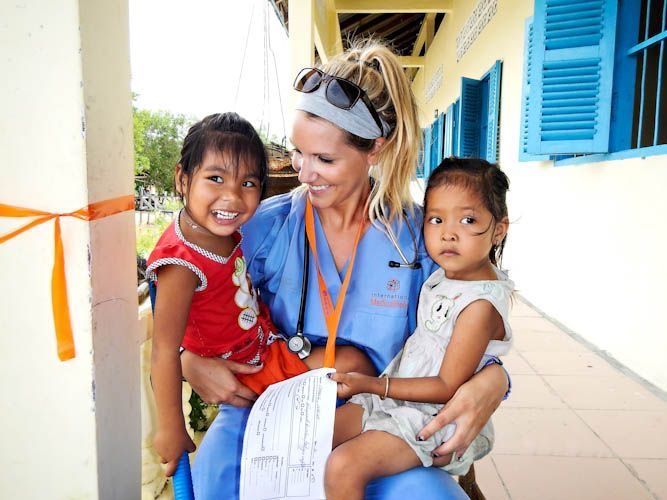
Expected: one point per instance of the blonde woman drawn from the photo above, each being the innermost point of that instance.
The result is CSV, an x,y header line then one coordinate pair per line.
x,y
356,139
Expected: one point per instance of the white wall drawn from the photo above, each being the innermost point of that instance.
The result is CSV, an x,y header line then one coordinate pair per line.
x,y
587,241
68,429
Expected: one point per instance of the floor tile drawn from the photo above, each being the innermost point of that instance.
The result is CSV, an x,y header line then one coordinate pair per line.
x,y
553,342
568,363
545,432
488,479
531,391
516,365
521,309
616,392
537,324
651,472
631,434
571,478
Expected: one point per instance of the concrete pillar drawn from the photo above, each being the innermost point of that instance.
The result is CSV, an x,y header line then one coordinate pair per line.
x,y
69,429
301,39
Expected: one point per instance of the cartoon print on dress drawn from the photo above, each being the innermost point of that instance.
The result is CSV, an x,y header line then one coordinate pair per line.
x,y
440,312
245,295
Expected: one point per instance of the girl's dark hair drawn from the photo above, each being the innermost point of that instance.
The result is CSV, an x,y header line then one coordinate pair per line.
x,y
230,135
484,178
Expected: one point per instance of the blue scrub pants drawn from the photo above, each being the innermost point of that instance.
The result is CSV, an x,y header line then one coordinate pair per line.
x,y
216,471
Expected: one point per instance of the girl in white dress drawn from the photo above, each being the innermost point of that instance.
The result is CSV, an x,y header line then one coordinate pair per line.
x,y
462,326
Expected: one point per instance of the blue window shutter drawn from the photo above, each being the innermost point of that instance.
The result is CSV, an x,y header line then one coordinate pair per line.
x,y
427,152
437,139
420,159
441,136
570,97
448,148
493,114
469,118
525,102
456,149
434,144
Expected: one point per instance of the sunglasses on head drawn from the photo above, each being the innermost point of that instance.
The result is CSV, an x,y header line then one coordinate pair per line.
x,y
340,92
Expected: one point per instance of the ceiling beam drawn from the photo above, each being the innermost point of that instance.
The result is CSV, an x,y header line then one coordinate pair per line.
x,y
393,6
426,34
396,24
327,30
406,36
358,21
411,61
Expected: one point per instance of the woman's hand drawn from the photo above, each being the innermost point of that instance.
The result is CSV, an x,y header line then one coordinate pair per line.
x,y
470,408
353,383
215,381
170,444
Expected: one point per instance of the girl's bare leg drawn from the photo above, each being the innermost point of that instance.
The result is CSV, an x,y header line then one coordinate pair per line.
x,y
358,461
348,423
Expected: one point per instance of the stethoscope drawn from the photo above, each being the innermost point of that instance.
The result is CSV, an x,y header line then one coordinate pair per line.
x,y
413,264
298,343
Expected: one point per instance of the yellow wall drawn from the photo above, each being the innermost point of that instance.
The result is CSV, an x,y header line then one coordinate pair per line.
x,y
587,241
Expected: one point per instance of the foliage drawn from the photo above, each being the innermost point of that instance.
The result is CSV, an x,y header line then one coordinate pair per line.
x,y
202,414
158,136
148,234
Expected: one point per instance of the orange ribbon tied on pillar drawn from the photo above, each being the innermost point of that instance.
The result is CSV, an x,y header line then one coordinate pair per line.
x,y
94,211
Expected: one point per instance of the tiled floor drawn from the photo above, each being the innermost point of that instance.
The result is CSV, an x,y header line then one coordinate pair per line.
x,y
575,427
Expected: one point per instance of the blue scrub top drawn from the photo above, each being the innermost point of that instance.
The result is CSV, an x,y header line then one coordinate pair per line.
x,y
381,304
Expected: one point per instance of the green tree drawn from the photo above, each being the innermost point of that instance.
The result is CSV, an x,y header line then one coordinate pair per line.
x,y
158,136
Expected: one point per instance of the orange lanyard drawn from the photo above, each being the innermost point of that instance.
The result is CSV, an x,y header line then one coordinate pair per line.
x,y
59,302
331,313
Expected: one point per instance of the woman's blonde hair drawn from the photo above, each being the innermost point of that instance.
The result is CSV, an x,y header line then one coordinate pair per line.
x,y
376,69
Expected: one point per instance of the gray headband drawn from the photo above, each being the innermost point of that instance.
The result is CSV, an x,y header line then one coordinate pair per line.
x,y
357,120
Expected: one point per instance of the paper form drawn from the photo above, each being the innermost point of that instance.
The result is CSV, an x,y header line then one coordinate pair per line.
x,y
288,439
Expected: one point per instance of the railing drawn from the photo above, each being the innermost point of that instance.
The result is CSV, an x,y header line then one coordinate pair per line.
x,y
147,203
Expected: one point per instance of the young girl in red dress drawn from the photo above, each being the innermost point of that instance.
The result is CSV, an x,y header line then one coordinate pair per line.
x,y
205,301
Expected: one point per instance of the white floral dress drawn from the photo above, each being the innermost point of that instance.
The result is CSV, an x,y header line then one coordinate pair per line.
x,y
440,302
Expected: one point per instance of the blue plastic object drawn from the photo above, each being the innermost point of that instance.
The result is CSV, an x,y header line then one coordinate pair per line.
x,y
182,480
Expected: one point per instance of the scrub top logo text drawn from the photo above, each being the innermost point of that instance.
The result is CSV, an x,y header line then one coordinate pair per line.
x,y
390,298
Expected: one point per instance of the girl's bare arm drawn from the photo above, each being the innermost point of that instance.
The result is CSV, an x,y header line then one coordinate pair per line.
x,y
476,325
176,289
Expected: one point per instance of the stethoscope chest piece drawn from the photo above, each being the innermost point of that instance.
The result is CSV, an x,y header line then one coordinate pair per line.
x,y
299,345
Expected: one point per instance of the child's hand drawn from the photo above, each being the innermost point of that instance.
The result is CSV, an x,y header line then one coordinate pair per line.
x,y
170,445
353,383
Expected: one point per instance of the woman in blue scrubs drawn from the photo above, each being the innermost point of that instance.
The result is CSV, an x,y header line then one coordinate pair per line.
x,y
356,138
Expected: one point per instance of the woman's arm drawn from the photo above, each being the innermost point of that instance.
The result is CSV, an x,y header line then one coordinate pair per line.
x,y
215,381
470,408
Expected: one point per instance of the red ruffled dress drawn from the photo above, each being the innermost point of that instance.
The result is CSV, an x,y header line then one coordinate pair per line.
x,y
226,317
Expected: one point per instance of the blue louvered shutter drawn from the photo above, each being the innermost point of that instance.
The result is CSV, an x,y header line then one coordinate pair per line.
x,y
420,159
435,144
525,102
441,132
570,96
469,118
427,152
493,115
437,139
456,150
448,147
